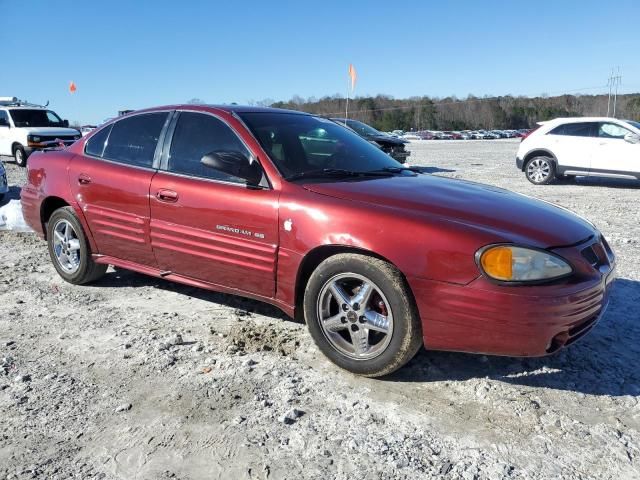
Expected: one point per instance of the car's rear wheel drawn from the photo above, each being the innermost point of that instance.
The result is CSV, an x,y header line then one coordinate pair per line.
x,y
20,156
540,170
361,314
69,249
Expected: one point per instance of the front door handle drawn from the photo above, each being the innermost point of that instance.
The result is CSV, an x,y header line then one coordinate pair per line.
x,y
84,179
165,195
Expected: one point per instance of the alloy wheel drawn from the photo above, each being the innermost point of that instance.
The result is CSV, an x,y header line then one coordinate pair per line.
x,y
539,170
355,316
66,246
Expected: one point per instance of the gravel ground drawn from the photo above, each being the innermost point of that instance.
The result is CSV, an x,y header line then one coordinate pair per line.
x,y
138,378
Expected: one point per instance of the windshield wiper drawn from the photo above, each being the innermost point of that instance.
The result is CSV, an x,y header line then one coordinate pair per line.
x,y
398,170
337,173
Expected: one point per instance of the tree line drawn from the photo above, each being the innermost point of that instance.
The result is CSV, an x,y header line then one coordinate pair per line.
x,y
425,113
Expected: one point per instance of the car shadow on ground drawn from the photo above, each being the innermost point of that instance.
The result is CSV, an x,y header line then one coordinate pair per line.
x,y
125,278
605,362
599,182
12,194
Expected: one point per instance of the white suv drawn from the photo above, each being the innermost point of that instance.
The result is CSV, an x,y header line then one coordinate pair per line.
x,y
25,127
569,147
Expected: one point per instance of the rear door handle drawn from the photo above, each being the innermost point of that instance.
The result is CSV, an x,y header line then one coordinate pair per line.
x,y
167,195
84,179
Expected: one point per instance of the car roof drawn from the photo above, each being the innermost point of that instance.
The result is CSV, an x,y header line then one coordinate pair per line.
x,y
580,120
24,107
224,108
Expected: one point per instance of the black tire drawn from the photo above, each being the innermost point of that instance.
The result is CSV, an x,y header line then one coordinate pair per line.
x,y
540,170
20,156
406,333
87,270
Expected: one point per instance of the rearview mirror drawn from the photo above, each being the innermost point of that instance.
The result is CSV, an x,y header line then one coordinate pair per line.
x,y
632,138
234,163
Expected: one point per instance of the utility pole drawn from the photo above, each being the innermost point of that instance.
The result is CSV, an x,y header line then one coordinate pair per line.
x,y
618,80
609,84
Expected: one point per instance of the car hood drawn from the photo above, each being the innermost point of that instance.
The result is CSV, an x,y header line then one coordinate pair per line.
x,y
51,131
507,215
386,139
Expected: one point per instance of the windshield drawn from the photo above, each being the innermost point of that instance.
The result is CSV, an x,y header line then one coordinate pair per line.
x,y
303,143
361,128
635,124
35,118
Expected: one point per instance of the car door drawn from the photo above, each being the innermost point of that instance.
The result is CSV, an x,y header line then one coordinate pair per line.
x,y
111,183
614,155
573,145
207,225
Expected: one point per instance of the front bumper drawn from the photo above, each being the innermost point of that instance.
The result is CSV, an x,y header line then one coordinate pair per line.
x,y
4,183
478,318
519,163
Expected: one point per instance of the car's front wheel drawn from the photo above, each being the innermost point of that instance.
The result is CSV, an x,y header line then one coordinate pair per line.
x,y
540,170
20,156
361,314
69,249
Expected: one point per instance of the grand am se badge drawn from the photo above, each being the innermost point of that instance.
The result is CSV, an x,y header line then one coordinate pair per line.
x,y
239,231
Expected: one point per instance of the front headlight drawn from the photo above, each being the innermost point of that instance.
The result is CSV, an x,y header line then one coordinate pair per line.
x,y
509,263
33,138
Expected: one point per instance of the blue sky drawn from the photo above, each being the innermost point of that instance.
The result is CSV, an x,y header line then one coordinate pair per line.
x,y
134,54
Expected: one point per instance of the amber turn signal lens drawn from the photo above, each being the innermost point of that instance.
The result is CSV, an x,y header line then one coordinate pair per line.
x,y
497,262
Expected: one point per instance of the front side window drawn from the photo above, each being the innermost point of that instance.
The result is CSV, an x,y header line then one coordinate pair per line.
x,y
575,130
4,118
133,140
611,130
299,144
23,117
196,135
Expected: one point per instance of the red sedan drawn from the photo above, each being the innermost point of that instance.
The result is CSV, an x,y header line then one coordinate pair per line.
x,y
294,210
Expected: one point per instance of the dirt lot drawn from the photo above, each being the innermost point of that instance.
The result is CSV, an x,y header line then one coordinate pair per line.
x,y
137,378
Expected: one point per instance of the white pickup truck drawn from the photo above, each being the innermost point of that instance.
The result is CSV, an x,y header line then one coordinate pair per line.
x,y
25,127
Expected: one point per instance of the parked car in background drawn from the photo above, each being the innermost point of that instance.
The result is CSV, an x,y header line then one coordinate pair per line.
x,y
297,211
86,129
26,127
569,147
454,135
395,147
426,135
4,182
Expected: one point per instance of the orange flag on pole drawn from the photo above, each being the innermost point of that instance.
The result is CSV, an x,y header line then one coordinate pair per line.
x,y
353,75
72,87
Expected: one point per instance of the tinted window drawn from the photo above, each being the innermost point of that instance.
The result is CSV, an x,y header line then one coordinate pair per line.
x,y
95,145
35,118
300,143
4,117
575,130
197,134
611,130
133,140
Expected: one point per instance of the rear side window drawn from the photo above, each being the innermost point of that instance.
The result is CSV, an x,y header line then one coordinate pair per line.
x,y
197,134
133,140
611,130
585,129
95,145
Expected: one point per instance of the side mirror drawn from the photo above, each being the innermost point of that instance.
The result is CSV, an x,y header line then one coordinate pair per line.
x,y
65,123
632,138
235,164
